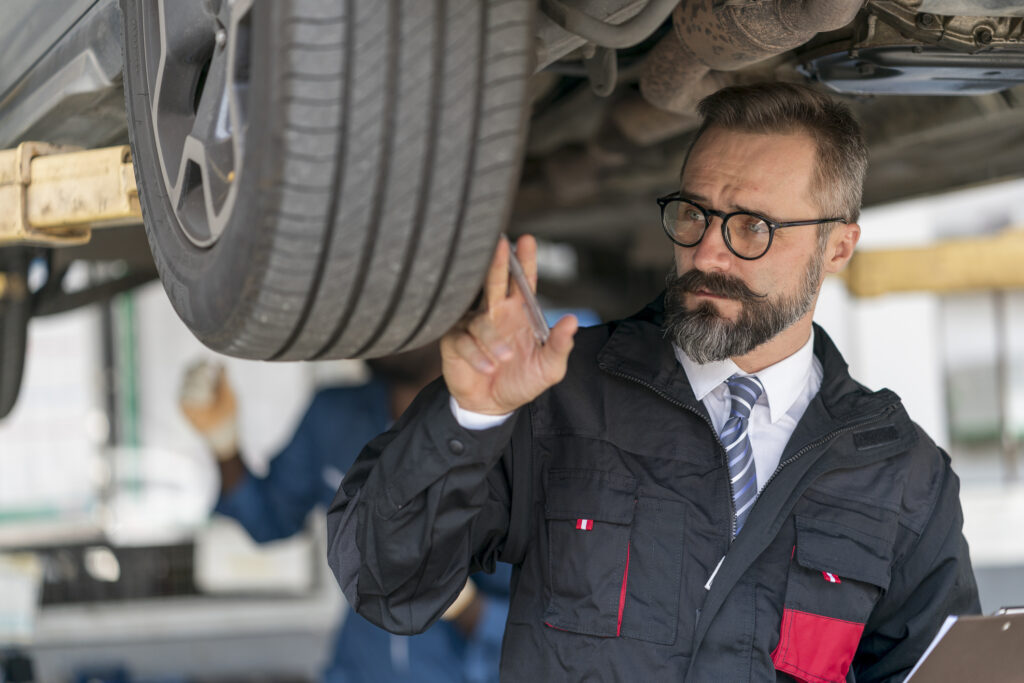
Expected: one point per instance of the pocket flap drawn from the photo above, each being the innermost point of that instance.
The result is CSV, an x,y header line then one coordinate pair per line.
x,y
590,494
842,551
816,649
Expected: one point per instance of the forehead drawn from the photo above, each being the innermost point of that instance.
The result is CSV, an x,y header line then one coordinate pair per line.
x,y
770,171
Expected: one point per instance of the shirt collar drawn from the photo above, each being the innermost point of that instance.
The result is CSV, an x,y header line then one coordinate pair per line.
x,y
783,382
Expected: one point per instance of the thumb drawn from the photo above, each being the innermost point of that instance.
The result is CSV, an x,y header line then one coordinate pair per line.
x,y
555,354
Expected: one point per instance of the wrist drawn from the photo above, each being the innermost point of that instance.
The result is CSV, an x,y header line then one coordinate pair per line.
x,y
465,600
470,419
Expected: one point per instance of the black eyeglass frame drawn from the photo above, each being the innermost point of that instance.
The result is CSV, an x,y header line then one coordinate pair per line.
x,y
663,202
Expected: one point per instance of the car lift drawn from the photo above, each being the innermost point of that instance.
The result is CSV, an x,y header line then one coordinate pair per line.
x,y
53,196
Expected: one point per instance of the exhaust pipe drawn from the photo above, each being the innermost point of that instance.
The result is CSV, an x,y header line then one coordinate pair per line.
x,y
706,43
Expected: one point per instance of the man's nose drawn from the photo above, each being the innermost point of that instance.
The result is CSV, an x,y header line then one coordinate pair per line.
x,y
712,254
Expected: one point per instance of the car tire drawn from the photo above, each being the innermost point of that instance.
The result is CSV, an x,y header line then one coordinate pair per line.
x,y
325,178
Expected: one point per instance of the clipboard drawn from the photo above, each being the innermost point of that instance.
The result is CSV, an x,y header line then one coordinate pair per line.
x,y
975,648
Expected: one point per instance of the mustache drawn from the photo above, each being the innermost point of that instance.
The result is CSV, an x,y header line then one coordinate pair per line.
x,y
694,281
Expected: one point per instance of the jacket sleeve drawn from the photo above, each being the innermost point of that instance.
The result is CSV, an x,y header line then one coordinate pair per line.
x,y
276,506
424,506
931,581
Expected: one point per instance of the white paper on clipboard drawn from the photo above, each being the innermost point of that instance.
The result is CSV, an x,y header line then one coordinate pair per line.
x,y
946,625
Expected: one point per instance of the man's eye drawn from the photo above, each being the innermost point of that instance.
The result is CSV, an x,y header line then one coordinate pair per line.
x,y
693,216
754,225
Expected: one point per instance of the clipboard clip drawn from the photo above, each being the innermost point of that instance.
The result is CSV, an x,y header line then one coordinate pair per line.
x,y
1009,610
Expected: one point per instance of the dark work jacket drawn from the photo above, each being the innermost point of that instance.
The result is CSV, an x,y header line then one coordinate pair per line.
x,y
610,495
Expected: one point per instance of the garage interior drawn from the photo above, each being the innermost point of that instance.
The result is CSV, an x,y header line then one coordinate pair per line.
x,y
111,565
97,456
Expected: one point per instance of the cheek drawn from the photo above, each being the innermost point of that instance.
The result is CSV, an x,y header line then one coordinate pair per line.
x,y
768,281
683,259
777,282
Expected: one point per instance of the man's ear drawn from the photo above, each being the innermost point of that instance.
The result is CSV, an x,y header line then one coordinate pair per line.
x,y
840,246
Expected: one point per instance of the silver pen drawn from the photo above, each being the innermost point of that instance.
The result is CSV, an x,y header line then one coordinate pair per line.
x,y
537,321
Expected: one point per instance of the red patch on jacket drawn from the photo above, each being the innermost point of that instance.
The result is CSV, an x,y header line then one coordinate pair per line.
x,y
814,648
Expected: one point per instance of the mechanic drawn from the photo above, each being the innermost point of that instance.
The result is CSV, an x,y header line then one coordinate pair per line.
x,y
700,492
466,644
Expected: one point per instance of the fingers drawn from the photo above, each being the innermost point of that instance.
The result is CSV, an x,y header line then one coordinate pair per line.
x,y
480,343
495,341
492,360
206,398
198,387
487,347
498,332
496,286
463,346
225,394
484,379
526,252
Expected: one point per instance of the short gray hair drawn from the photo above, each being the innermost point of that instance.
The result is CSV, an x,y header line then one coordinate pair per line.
x,y
787,108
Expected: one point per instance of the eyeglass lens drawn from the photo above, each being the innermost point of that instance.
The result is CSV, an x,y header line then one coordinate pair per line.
x,y
748,235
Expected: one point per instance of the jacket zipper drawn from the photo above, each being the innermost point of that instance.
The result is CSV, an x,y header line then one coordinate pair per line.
x,y
793,458
707,421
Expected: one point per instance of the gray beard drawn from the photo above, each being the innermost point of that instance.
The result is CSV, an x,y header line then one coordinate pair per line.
x,y
707,337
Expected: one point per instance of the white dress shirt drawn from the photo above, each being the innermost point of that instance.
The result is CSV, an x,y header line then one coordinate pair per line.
x,y
789,386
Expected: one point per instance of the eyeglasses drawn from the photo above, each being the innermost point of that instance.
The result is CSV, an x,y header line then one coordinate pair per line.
x,y
747,235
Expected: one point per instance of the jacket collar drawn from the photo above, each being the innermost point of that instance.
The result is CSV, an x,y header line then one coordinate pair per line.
x,y
638,350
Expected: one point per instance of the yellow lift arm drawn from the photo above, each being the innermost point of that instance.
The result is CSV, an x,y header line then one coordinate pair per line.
x,y
54,196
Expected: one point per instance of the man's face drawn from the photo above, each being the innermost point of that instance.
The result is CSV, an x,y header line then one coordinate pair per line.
x,y
718,305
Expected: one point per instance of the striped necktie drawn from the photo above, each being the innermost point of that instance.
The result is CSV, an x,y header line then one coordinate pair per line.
x,y
744,392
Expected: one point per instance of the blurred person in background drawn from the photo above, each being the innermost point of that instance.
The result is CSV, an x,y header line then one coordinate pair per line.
x,y
465,645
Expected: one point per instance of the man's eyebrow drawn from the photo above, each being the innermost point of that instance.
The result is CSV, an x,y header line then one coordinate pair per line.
x,y
698,197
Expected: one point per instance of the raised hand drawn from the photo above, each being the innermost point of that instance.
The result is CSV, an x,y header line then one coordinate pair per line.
x,y
491,361
209,405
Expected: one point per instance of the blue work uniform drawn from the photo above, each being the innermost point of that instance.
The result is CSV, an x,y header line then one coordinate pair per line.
x,y
338,423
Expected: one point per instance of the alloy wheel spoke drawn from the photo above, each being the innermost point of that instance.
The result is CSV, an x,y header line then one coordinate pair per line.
x,y
196,126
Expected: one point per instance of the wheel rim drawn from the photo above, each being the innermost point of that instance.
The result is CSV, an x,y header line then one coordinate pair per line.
x,y
200,81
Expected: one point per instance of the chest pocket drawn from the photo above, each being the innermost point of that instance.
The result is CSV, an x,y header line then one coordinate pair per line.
x,y
836,577
609,573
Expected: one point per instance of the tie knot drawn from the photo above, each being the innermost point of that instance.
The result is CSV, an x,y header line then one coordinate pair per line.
x,y
744,391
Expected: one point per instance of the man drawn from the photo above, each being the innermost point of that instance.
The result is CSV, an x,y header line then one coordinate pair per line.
x,y
466,644
700,492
